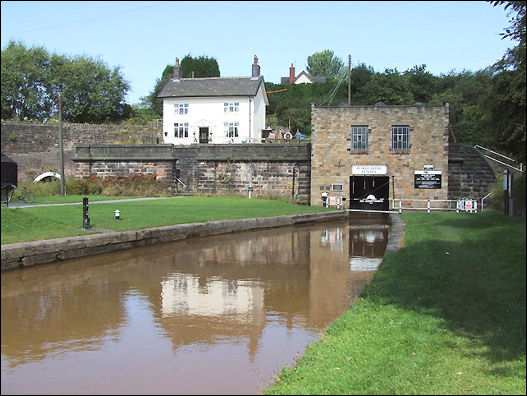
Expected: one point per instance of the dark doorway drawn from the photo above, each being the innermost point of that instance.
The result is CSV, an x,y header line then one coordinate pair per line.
x,y
203,135
369,192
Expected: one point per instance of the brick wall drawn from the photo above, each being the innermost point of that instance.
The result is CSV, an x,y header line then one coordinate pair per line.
x,y
470,174
332,161
208,169
36,149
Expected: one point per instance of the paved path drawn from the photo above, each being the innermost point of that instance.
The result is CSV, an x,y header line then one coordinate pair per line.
x,y
24,205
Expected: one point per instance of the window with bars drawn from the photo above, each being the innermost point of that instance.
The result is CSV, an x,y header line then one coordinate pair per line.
x,y
181,108
231,129
400,137
359,137
231,107
181,129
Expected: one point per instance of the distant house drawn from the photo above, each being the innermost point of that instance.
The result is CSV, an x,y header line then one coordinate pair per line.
x,y
214,109
302,78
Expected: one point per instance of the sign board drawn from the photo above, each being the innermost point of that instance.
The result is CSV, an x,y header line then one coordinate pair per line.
x,y
427,179
332,200
369,169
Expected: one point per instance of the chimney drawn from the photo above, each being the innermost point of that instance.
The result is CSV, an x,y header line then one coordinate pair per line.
x,y
177,71
292,77
256,68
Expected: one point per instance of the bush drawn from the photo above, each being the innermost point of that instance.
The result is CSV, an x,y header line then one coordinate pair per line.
x,y
83,186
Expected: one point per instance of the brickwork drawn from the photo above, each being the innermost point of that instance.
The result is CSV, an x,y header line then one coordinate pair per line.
x,y
332,159
209,169
470,174
36,149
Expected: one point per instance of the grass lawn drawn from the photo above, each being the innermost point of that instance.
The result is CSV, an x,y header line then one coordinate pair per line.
x,y
31,224
443,315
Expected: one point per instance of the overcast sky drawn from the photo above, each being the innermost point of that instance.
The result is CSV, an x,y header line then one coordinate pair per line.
x,y
143,37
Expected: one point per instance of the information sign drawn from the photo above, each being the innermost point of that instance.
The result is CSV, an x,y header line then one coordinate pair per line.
x,y
369,169
427,179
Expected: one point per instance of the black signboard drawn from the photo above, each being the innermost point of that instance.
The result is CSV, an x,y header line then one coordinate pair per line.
x,y
427,179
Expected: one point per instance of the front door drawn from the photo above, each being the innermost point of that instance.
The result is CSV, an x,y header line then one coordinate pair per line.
x,y
203,135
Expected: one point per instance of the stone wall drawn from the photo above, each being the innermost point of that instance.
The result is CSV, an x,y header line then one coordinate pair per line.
x,y
470,174
36,149
264,170
332,159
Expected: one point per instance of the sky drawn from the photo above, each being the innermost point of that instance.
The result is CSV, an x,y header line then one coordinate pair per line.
x,y
143,37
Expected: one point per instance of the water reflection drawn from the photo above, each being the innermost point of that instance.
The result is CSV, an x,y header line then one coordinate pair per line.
x,y
219,314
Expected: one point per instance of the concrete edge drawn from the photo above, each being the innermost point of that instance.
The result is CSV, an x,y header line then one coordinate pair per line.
x,y
396,234
27,254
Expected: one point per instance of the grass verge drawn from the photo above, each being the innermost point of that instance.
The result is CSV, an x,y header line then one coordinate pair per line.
x,y
38,223
443,315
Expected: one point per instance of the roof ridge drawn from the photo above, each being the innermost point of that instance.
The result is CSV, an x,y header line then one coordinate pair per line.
x,y
213,78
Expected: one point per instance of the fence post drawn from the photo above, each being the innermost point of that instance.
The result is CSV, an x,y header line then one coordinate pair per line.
x,y
428,206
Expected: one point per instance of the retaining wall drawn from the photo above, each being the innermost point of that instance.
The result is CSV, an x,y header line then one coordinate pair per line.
x,y
26,254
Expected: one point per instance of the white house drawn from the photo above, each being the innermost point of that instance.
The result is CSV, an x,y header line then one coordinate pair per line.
x,y
302,78
214,109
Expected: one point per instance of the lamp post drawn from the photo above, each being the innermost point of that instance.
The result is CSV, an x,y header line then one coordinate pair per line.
x,y
62,189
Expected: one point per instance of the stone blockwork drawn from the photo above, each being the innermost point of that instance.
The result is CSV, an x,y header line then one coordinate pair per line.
x,y
264,170
26,254
470,174
332,159
36,149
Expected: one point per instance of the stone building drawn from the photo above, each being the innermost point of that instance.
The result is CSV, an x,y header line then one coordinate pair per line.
x,y
364,156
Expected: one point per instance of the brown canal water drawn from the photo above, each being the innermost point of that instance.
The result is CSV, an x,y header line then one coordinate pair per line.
x,y
213,315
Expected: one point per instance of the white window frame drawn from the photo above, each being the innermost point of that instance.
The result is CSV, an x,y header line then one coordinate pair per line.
x,y
181,130
181,108
359,138
231,129
231,107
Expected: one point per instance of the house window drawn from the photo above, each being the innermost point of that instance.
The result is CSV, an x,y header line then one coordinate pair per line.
x,y
359,138
337,187
231,107
181,129
401,137
231,129
181,108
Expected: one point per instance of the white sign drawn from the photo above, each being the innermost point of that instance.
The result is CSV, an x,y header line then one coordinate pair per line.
x,y
369,169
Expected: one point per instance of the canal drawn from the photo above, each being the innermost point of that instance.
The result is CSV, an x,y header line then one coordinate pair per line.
x,y
213,315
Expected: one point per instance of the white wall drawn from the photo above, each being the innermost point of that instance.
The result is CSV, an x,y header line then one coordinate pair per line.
x,y
209,112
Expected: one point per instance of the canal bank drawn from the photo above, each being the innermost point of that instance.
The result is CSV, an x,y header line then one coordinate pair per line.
x,y
27,254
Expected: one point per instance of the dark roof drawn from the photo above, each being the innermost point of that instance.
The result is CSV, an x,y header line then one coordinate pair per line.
x,y
211,86
318,79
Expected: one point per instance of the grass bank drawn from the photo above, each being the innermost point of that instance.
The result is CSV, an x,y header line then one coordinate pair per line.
x,y
443,315
38,223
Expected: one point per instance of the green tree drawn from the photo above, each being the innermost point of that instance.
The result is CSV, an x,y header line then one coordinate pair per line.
x,y
152,101
390,87
507,110
422,83
325,64
202,66
25,78
32,78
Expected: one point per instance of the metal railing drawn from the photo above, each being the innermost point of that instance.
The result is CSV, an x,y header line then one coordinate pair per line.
x,y
520,168
458,205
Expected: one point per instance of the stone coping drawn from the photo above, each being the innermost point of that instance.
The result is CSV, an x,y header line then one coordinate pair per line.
x,y
26,254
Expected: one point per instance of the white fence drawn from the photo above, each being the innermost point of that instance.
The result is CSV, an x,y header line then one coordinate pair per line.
x,y
459,205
